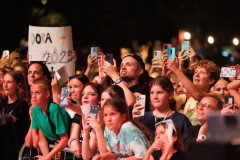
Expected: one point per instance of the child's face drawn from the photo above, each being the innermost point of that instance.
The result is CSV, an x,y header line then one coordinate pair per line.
x,y
38,95
9,85
159,97
113,119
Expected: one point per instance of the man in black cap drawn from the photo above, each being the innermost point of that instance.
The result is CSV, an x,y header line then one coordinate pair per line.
x,y
133,78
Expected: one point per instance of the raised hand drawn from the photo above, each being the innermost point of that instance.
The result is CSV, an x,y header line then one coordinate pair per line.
x,y
165,71
136,110
181,59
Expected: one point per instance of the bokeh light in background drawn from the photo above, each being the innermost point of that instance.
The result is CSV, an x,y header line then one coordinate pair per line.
x,y
187,35
210,39
235,41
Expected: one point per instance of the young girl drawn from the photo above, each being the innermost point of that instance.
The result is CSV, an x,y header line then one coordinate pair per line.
x,y
161,96
163,148
122,137
15,104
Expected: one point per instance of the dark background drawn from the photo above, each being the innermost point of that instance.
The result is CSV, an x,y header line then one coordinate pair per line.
x,y
113,24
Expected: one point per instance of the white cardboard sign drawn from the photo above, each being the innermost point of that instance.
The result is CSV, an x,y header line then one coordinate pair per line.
x,y
53,45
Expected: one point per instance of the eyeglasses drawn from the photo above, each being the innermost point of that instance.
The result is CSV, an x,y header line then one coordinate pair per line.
x,y
204,106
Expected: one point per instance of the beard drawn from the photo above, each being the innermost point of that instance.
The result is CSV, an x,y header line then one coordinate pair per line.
x,y
127,78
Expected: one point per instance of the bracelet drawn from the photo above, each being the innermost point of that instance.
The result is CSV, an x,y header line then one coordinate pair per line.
x,y
72,141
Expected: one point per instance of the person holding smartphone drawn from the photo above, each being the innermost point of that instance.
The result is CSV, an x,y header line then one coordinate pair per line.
x,y
206,74
161,98
163,148
81,137
233,87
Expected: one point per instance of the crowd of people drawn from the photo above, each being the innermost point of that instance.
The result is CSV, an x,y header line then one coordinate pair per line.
x,y
179,95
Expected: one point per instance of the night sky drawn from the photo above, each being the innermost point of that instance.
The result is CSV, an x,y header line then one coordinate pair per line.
x,y
114,24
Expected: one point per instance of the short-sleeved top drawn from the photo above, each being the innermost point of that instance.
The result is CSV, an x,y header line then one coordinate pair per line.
x,y
190,110
143,89
20,110
176,156
59,117
149,120
129,142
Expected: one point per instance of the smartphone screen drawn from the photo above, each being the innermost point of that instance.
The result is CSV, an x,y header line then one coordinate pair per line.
x,y
64,94
171,53
94,51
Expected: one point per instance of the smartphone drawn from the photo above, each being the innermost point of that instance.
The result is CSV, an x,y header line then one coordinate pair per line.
x,y
141,99
228,100
94,51
5,54
86,109
157,55
64,94
166,46
94,110
185,46
169,130
171,53
228,72
109,58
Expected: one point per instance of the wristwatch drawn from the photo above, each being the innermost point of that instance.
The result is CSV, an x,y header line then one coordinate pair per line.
x,y
118,80
201,138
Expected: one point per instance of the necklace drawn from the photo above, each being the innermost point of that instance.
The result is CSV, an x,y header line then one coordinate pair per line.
x,y
155,115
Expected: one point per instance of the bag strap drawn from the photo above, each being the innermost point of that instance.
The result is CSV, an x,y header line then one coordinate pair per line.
x,y
51,123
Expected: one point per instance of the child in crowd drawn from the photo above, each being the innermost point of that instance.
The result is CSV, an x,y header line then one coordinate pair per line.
x,y
163,148
161,97
15,104
123,138
53,129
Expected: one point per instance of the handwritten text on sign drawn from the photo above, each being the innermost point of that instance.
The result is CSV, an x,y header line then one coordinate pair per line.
x,y
52,45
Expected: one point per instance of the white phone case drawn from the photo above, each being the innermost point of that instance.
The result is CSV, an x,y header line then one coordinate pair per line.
x,y
141,99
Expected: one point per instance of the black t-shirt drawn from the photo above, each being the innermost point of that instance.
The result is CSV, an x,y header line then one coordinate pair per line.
x,y
20,110
143,89
176,156
193,134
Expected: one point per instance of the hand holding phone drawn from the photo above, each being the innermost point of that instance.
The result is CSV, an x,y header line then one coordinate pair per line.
x,y
109,58
185,46
5,54
94,52
141,99
228,100
94,110
157,55
171,53
64,94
